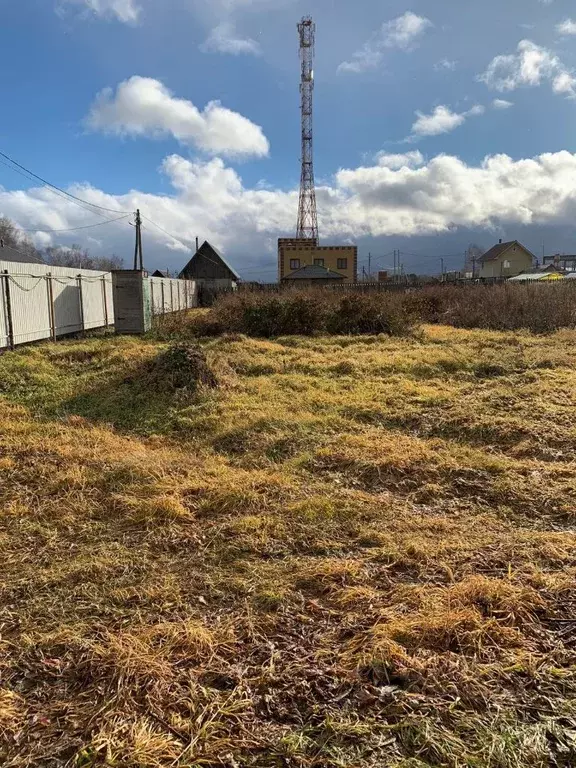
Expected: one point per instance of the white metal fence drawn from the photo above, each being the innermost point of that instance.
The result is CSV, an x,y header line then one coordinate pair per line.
x,y
38,301
169,295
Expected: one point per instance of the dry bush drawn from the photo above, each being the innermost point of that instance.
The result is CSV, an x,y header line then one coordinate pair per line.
x,y
538,307
311,312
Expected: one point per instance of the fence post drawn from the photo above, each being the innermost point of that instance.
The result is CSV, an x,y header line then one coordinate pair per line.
x,y
8,310
171,297
162,292
81,302
152,295
50,291
104,301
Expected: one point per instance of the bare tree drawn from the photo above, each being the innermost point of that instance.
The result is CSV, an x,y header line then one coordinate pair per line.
x,y
77,257
9,232
13,237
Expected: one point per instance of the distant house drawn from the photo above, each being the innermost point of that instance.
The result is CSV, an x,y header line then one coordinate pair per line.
x,y
208,264
506,260
160,273
313,274
11,254
561,260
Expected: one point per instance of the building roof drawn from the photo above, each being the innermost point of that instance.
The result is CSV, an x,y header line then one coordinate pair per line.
x,y
160,273
215,253
11,254
314,272
559,257
497,250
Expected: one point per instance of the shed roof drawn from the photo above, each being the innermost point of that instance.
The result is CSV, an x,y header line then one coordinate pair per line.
x,y
11,254
207,247
314,272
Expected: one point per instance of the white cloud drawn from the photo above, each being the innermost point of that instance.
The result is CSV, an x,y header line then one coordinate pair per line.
x,y
224,39
127,11
209,200
403,32
442,120
445,65
567,27
528,67
396,161
502,104
142,106
565,82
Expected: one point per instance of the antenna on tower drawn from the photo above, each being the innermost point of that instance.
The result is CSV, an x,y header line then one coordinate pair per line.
x,y
307,227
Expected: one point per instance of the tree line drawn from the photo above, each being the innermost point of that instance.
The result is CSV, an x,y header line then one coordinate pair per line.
x,y
74,256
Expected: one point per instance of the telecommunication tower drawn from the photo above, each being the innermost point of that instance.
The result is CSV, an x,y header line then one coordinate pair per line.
x,y
307,227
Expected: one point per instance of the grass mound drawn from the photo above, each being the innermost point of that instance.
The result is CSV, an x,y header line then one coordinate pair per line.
x,y
180,367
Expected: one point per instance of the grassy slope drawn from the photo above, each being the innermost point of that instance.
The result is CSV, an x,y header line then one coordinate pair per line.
x,y
353,553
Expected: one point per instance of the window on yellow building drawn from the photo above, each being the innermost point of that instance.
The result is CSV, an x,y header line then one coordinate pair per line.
x,y
294,263
342,263
319,262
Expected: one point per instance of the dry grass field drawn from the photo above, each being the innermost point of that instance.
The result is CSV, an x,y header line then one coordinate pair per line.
x,y
354,551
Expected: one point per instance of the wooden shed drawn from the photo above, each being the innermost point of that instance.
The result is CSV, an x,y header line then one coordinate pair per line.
x,y
208,264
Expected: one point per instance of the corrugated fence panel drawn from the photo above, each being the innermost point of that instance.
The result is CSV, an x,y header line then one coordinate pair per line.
x,y
30,308
67,305
4,340
96,301
156,295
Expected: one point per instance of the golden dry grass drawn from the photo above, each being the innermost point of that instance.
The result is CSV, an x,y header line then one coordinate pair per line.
x,y
355,552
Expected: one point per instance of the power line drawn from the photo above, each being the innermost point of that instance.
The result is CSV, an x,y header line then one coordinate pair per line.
x,y
431,255
75,229
54,191
178,240
58,189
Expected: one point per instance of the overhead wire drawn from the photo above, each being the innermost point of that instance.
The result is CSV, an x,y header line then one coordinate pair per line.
x,y
75,229
58,189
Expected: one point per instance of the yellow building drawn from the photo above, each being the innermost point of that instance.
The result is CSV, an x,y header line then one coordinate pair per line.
x,y
332,262
506,260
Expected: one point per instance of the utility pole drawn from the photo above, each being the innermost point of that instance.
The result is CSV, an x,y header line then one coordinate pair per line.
x,y
442,269
474,266
369,266
138,257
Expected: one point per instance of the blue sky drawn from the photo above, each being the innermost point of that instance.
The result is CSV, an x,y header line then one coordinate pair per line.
x,y
436,124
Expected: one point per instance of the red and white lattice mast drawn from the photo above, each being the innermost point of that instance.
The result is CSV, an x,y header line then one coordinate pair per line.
x,y
307,228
